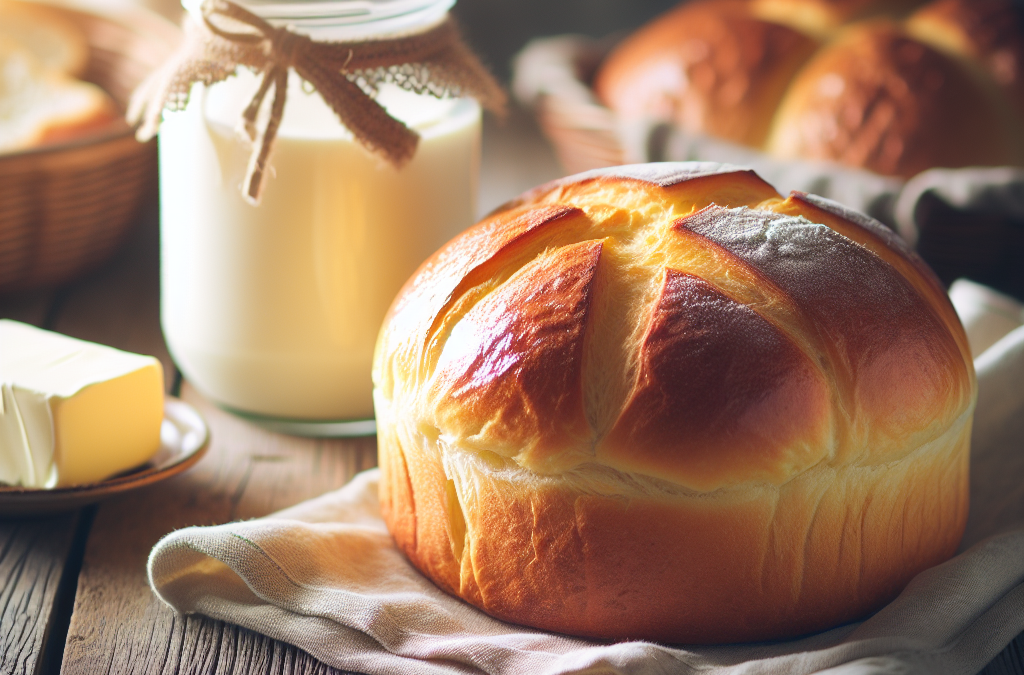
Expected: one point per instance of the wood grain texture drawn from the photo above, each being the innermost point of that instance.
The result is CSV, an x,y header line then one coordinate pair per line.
x,y
34,552
33,555
117,305
202,645
119,626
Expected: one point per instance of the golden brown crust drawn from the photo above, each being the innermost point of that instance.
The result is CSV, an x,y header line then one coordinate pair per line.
x,y
628,412
826,548
707,363
708,66
435,290
888,246
888,354
878,99
515,360
988,32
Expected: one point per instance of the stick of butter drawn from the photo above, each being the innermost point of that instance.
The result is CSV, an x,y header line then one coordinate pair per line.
x,y
73,412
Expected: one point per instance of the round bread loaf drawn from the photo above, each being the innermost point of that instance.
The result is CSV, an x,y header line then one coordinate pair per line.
x,y
712,67
849,81
662,402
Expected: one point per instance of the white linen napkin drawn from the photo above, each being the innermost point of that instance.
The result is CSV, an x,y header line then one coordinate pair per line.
x,y
326,577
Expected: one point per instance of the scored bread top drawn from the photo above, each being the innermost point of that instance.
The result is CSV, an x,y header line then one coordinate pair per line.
x,y
677,321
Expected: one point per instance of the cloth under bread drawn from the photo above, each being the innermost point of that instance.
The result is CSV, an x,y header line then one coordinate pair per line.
x,y
326,577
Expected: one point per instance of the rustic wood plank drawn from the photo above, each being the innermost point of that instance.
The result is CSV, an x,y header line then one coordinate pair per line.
x,y
36,558
119,626
33,556
217,647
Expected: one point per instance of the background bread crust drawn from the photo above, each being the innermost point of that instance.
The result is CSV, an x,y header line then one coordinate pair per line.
x,y
895,88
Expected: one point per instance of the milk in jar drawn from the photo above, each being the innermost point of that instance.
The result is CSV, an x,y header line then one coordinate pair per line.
x,y
274,309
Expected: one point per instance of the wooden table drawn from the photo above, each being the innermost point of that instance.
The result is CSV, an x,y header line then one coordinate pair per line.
x,y
74,597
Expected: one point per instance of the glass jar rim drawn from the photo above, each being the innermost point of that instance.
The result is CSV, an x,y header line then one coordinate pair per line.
x,y
343,19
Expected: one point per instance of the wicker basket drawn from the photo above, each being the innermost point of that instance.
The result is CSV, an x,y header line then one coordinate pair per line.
x,y
552,76
64,209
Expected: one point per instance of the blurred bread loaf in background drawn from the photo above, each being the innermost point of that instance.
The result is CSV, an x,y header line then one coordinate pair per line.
x,y
46,33
41,100
895,88
72,175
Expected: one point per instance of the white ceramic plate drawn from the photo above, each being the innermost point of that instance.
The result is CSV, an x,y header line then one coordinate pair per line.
x,y
183,441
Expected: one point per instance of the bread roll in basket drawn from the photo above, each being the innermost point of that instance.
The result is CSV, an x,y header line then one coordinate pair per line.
x,y
892,87
662,402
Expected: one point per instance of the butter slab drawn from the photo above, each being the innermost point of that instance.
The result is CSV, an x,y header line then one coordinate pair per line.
x,y
73,412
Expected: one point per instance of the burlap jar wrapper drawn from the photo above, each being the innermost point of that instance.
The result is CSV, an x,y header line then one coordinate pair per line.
x,y
347,75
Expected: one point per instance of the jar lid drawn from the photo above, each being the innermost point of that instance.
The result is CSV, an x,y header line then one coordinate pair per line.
x,y
343,19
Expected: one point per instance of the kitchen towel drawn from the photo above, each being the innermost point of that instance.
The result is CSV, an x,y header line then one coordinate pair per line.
x,y
326,577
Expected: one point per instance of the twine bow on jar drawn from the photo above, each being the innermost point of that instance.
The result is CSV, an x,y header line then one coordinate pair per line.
x,y
346,74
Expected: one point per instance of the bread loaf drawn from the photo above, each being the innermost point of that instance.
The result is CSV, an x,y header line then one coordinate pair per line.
x,y
662,402
42,53
47,34
39,106
854,81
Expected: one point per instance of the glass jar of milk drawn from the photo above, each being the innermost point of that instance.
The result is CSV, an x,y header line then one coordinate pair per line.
x,y
273,310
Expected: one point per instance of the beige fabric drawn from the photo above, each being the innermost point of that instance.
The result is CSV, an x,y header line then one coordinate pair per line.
x,y
325,576
986,314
